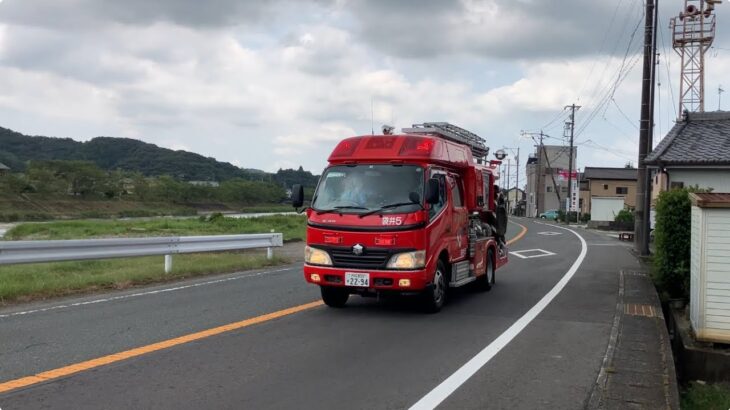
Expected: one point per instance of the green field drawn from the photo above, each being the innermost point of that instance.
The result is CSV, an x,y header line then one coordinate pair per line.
x,y
34,281
292,226
37,281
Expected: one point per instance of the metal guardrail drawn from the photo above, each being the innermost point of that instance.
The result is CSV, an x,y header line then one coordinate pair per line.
x,y
14,252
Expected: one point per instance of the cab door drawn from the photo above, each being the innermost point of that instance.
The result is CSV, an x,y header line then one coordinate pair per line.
x,y
458,235
439,216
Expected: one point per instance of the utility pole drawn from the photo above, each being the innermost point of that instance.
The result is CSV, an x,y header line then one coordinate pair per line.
x,y
509,205
573,108
641,243
518,197
719,97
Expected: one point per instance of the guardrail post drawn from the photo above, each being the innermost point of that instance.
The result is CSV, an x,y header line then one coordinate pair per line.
x,y
168,263
269,253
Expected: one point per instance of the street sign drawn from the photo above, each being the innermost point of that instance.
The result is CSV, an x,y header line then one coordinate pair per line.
x,y
563,174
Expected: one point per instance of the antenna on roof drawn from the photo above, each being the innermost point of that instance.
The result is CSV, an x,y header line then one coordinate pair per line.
x,y
372,117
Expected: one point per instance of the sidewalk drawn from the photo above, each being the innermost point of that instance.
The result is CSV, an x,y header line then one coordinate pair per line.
x,y
638,370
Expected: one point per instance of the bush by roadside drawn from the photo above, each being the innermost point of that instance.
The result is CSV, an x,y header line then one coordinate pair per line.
x,y
672,236
702,396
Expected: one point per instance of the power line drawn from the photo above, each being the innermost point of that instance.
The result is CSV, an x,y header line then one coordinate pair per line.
x,y
624,114
669,76
599,83
610,90
603,43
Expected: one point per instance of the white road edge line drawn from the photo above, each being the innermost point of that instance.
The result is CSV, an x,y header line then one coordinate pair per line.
x,y
151,292
453,382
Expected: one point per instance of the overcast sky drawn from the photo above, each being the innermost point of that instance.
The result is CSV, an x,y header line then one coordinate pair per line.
x,y
270,84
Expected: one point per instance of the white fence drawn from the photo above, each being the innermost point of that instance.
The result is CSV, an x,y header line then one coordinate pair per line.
x,y
13,252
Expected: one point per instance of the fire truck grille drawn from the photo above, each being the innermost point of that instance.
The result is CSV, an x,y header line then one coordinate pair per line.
x,y
371,258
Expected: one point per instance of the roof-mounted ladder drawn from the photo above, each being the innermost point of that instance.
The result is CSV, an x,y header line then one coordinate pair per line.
x,y
453,133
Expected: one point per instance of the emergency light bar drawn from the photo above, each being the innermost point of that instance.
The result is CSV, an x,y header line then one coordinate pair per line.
x,y
479,148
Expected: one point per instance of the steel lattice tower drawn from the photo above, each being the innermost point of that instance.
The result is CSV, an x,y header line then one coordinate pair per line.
x,y
692,34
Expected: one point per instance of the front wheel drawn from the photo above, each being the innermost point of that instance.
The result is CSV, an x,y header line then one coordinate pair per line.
x,y
434,296
334,297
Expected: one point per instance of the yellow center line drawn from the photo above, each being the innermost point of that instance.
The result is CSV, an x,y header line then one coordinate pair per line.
x,y
138,351
519,235
166,344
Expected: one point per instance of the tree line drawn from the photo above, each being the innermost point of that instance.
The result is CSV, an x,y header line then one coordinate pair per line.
x,y
84,179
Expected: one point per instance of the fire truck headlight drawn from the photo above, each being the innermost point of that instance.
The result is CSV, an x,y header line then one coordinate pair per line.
x,y
408,260
316,256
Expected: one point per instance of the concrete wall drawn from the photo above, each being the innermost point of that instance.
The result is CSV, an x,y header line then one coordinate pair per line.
x,y
718,179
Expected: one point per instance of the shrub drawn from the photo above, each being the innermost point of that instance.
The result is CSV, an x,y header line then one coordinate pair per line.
x,y
585,217
625,216
672,236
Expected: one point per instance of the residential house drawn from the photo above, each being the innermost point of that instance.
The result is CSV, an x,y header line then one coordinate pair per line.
x,y
4,169
695,152
609,191
516,201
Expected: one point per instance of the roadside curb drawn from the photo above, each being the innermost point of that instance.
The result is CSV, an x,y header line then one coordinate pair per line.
x,y
638,368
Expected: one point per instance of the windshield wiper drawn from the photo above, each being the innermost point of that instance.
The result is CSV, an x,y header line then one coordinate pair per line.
x,y
337,208
389,206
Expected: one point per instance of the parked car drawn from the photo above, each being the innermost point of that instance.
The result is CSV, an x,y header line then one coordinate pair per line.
x,y
551,214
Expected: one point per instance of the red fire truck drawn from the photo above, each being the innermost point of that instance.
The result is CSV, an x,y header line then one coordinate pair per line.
x,y
414,213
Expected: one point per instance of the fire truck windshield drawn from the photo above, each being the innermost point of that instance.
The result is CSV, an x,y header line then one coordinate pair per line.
x,y
364,188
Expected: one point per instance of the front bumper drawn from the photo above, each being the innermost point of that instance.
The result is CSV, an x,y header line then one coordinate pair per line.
x,y
379,279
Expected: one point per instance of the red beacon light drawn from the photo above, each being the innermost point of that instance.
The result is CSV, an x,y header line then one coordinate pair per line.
x,y
417,146
345,148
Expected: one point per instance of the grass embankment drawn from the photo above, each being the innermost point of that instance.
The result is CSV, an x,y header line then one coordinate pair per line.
x,y
35,207
42,280
700,396
292,226
33,281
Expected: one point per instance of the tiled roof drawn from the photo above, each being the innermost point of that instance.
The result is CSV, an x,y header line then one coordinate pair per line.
x,y
700,139
4,167
627,174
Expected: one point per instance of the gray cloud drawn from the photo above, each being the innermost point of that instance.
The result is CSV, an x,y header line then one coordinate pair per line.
x,y
74,14
499,28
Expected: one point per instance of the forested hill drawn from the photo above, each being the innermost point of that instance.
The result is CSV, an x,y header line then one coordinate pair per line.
x,y
118,153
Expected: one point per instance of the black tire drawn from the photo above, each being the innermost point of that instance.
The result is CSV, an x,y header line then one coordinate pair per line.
x,y
543,217
334,297
486,281
434,296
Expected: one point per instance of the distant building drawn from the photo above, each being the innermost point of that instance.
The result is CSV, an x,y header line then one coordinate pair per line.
x,y
546,181
204,183
4,169
516,201
609,191
695,152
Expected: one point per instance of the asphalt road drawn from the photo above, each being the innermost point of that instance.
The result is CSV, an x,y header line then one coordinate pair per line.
x,y
520,348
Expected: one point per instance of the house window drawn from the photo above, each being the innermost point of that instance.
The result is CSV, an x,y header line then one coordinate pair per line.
x,y
548,189
678,185
622,190
564,189
605,187
580,203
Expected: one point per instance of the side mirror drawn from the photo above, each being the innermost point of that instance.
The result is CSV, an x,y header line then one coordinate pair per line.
x,y
432,191
297,196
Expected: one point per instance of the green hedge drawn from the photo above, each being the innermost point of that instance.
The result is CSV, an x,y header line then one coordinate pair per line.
x,y
625,216
672,235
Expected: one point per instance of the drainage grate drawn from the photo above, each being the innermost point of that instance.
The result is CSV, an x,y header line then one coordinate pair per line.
x,y
634,309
